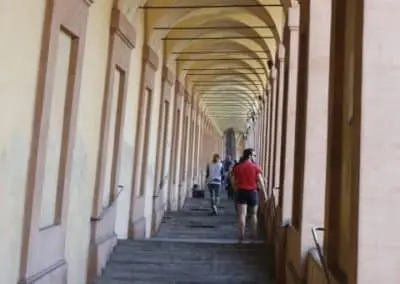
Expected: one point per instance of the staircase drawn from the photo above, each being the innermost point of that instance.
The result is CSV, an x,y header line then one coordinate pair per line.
x,y
192,248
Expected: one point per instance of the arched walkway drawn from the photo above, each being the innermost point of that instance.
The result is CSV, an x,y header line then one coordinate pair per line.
x,y
111,110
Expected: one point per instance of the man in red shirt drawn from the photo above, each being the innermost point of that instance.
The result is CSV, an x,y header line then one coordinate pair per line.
x,y
246,179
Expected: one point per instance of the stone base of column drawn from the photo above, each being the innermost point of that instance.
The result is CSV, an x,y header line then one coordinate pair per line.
x,y
158,213
56,274
182,194
280,246
102,242
173,198
138,219
293,266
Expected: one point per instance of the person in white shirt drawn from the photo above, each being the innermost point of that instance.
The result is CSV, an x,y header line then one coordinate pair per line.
x,y
214,176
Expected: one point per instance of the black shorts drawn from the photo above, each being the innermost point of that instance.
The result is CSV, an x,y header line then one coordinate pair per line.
x,y
247,197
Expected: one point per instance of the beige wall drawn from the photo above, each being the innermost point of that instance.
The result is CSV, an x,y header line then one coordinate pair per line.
x,y
20,34
87,140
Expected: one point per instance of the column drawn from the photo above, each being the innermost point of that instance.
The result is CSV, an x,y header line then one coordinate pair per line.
x,y
197,145
279,122
185,151
266,129
291,94
268,133
378,193
177,139
264,132
311,129
260,148
272,124
192,147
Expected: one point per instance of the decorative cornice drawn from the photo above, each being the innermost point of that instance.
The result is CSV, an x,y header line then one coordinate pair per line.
x,y
123,28
150,56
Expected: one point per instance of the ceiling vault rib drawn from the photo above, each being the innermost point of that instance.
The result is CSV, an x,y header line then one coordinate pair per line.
x,y
222,107
218,38
222,98
209,6
212,69
219,59
225,93
247,91
205,84
223,81
224,74
214,28
208,53
228,115
219,51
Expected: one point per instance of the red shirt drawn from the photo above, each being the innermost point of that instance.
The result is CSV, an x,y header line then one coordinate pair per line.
x,y
245,175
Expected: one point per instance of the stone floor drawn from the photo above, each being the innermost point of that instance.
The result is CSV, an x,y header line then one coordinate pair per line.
x,y
194,248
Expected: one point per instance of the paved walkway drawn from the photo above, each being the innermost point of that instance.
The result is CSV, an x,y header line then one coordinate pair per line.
x,y
194,248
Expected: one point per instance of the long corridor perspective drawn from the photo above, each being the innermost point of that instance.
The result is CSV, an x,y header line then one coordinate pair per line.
x,y
110,111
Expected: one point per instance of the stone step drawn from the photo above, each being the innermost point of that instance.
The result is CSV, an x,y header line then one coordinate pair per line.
x,y
195,243
184,252
166,258
198,269
185,277
182,247
146,256
171,281
191,247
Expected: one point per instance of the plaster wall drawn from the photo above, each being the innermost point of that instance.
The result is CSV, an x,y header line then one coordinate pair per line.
x,y
21,35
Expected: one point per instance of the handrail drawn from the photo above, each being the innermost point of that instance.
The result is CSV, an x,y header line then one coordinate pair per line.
x,y
107,208
319,250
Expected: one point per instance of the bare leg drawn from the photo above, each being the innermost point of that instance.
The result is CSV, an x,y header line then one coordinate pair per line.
x,y
242,210
254,221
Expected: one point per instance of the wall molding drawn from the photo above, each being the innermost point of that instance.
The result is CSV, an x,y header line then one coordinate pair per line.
x,y
43,249
123,28
151,57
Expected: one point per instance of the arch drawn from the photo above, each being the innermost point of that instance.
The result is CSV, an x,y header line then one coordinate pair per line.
x,y
238,38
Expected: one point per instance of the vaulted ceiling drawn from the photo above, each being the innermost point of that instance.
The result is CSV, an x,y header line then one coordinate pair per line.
x,y
221,48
